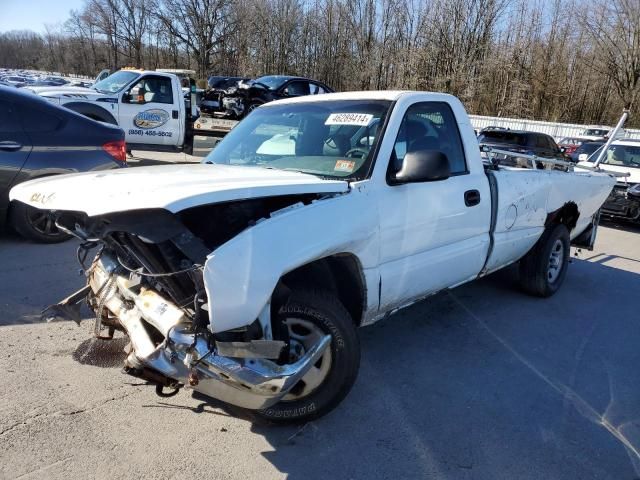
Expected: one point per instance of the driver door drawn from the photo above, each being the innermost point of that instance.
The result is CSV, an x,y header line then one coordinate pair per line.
x,y
149,112
435,234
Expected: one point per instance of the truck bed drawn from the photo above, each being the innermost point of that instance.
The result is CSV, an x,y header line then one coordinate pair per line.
x,y
525,200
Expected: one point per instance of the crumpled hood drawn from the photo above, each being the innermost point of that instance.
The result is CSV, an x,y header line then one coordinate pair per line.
x,y
171,187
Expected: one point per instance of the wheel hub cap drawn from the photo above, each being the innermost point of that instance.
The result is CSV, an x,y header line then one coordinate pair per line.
x,y
304,334
556,260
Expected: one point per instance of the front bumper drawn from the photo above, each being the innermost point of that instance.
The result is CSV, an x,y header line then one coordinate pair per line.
x,y
186,357
621,204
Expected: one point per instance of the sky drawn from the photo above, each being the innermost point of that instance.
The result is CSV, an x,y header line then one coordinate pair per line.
x,y
33,14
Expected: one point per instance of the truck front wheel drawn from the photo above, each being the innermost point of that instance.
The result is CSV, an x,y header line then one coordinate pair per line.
x,y
543,269
304,319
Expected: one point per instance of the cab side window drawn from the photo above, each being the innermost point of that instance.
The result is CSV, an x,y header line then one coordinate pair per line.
x,y
152,90
430,126
297,88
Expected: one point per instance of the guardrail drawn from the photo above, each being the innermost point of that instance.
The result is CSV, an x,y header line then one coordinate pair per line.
x,y
556,130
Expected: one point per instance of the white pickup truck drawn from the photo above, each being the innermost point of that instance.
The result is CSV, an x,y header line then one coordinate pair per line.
x,y
148,105
245,278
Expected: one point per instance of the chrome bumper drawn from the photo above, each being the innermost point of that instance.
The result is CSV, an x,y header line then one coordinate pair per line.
x,y
253,383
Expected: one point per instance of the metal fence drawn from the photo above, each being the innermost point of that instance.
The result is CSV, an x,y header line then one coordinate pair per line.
x,y
556,130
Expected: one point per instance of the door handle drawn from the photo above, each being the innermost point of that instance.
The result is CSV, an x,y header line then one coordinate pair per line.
x,y
471,198
175,114
10,146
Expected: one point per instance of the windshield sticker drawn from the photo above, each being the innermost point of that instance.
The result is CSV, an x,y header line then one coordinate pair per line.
x,y
361,119
344,166
151,118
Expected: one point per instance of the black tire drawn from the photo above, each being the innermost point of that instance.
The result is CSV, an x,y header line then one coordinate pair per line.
x,y
540,275
325,311
35,224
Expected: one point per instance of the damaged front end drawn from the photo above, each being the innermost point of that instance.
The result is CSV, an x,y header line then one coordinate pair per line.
x,y
228,103
623,202
147,281
169,349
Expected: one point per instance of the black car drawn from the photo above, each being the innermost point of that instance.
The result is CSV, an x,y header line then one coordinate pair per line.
x,y
223,83
521,141
236,102
38,139
586,148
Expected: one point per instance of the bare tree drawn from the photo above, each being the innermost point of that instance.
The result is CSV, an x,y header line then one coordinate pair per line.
x,y
198,24
614,27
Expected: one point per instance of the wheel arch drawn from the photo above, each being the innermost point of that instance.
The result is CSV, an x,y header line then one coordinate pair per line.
x,y
566,215
340,273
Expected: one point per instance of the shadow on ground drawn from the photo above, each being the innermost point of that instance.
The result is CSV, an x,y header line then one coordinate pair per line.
x,y
483,382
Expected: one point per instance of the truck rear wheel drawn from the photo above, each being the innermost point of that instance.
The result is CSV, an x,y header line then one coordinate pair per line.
x,y
307,316
543,269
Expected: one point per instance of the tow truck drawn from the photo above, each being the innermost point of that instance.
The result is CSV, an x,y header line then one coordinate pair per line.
x,y
150,106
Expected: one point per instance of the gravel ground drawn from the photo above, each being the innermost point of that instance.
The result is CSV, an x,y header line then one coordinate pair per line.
x,y
482,382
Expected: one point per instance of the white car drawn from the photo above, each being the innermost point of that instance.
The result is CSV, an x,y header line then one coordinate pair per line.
x,y
623,156
245,278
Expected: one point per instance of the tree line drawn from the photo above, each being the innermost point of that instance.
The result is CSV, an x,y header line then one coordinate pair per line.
x,y
556,60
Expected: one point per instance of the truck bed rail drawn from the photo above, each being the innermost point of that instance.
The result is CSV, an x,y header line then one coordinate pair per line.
x,y
494,161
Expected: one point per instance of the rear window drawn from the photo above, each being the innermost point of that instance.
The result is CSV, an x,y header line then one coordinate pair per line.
x,y
502,137
596,132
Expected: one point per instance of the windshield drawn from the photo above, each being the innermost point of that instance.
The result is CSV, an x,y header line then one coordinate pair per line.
x,y
595,132
502,137
330,139
619,156
224,83
272,82
115,82
588,148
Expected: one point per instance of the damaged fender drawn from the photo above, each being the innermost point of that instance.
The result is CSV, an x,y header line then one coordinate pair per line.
x,y
240,275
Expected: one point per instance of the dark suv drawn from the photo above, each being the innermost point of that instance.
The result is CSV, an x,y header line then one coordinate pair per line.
x,y
521,141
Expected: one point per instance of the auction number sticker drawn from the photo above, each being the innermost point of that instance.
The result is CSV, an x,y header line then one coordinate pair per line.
x,y
361,119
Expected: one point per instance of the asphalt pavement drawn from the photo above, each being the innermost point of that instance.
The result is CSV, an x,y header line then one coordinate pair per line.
x,y
482,382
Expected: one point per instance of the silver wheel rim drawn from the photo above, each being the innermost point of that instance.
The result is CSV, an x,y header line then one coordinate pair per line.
x,y
556,259
303,335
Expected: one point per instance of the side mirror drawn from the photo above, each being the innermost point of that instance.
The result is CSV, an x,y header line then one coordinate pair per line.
x,y
423,166
563,149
